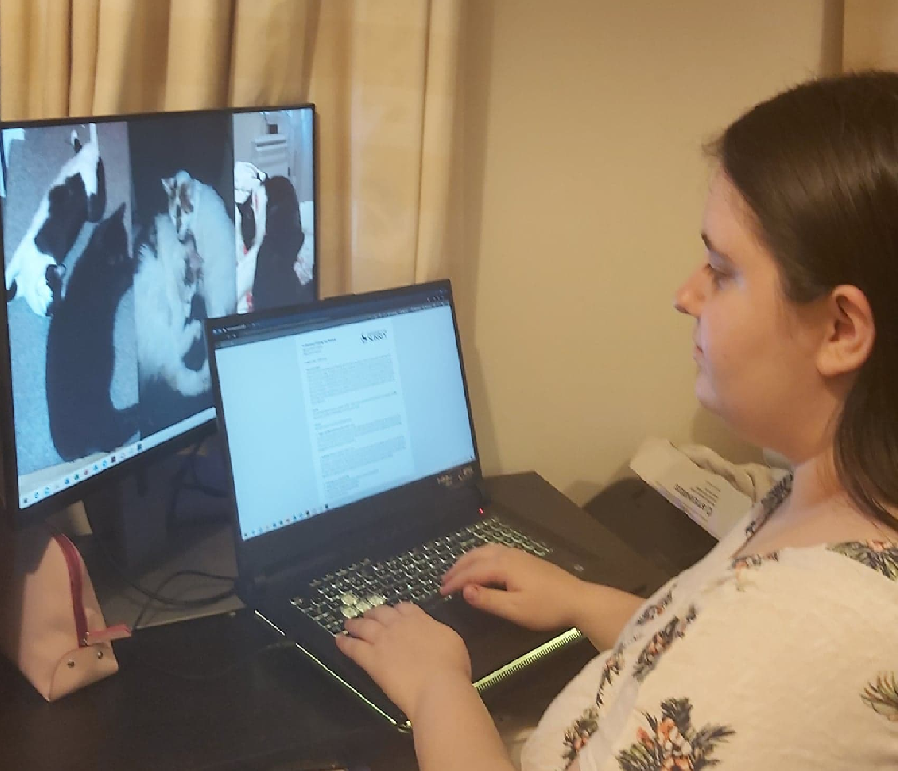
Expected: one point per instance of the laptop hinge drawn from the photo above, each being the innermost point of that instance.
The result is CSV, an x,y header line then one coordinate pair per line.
x,y
482,492
455,508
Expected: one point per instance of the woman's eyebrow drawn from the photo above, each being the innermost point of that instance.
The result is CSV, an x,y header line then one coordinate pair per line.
x,y
713,249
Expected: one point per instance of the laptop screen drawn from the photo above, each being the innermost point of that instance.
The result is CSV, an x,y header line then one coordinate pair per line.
x,y
325,407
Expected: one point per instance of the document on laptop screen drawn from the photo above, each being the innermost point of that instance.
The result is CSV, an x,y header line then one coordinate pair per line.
x,y
318,419
358,428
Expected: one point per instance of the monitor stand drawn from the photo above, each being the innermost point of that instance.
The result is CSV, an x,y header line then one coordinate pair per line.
x,y
168,516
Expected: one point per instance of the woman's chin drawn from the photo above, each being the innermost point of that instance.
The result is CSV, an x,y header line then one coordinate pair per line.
x,y
700,388
705,394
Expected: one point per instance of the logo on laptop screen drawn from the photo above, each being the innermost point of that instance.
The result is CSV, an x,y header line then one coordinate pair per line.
x,y
453,478
374,336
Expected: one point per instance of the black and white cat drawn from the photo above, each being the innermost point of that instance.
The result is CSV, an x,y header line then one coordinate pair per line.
x,y
275,282
251,219
80,350
165,285
196,210
77,196
247,177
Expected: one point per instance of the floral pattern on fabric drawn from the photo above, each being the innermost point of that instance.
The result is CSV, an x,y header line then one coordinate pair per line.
x,y
576,737
672,742
660,642
769,503
612,667
655,609
754,560
882,696
879,555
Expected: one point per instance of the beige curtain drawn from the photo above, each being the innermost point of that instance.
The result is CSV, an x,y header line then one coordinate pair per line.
x,y
382,74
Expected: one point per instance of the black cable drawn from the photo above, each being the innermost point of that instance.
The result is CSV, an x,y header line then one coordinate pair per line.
x,y
214,675
212,492
197,602
215,492
179,482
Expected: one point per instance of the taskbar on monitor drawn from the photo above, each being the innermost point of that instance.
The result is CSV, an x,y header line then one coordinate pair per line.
x,y
40,485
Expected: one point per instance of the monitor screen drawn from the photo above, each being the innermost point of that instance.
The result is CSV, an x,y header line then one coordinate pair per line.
x,y
120,235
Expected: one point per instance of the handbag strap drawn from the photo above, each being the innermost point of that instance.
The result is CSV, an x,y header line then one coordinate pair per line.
x,y
86,636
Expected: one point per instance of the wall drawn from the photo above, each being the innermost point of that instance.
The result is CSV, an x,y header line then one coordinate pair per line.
x,y
871,27
577,203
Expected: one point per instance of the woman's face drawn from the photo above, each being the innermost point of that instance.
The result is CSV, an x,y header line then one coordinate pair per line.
x,y
755,350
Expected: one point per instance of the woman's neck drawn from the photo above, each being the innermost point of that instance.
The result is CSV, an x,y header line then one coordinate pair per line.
x,y
817,511
815,485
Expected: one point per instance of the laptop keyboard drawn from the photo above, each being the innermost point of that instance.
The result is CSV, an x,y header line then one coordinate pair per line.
x,y
414,576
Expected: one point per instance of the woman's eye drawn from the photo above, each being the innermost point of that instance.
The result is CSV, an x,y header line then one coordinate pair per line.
x,y
717,275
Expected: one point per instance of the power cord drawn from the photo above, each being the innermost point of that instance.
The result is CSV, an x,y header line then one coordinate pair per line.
x,y
198,602
180,483
175,602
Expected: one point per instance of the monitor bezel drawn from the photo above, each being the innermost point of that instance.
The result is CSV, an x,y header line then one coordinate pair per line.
x,y
18,516
262,554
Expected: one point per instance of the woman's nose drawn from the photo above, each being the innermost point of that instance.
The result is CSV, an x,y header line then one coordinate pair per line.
x,y
689,297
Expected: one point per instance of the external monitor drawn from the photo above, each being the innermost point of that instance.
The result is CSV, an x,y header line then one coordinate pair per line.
x,y
120,235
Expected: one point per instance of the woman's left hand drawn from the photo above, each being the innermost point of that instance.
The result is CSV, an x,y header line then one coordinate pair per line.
x,y
405,652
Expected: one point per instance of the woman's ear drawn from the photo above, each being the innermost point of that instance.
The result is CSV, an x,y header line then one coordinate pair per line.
x,y
850,332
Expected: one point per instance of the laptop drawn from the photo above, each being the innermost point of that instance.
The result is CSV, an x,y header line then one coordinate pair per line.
x,y
356,479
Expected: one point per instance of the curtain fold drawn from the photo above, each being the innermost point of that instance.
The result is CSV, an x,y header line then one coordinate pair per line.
x,y
382,74
440,90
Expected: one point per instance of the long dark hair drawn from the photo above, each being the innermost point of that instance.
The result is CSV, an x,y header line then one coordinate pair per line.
x,y
818,167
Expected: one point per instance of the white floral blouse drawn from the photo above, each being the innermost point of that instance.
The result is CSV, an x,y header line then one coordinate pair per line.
x,y
784,661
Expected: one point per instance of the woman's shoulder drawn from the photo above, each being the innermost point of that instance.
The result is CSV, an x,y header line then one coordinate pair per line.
x,y
765,636
836,594
879,556
842,567
784,648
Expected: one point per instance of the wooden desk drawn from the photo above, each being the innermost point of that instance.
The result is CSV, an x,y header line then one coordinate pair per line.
x,y
209,694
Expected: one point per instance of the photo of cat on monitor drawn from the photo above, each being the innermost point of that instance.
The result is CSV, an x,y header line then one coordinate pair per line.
x,y
120,236
117,249
183,214
67,234
273,214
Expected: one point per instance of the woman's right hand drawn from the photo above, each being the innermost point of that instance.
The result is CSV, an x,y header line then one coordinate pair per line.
x,y
534,593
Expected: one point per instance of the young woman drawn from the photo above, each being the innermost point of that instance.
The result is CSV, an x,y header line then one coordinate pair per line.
x,y
780,648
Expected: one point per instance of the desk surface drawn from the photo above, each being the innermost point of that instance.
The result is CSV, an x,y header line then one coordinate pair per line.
x,y
214,693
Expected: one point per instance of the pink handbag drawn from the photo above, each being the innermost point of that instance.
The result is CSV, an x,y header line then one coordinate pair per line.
x,y
51,626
